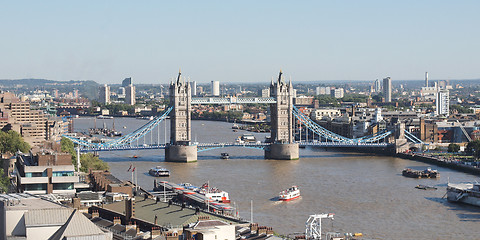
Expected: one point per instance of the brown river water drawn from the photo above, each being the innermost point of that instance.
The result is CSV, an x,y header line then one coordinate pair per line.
x,y
367,193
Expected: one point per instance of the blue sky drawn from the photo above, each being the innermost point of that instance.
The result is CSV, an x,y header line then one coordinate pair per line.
x,y
243,41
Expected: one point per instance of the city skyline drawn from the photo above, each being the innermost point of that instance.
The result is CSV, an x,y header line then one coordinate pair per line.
x,y
239,42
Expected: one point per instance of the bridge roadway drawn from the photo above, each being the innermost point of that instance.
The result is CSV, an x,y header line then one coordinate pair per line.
x,y
233,100
209,146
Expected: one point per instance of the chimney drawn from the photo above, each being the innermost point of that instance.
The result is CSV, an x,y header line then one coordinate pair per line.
x,y
130,226
129,209
116,220
253,227
155,232
95,214
76,203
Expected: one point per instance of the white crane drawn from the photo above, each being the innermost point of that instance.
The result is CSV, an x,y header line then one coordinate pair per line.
x,y
313,228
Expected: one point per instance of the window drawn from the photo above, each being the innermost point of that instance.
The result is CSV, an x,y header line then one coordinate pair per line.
x,y
63,186
62,174
35,187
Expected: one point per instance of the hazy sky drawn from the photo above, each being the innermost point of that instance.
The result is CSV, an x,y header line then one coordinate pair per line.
x,y
248,41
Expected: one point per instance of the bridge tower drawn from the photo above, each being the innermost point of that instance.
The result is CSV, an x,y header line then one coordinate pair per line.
x,y
282,146
179,149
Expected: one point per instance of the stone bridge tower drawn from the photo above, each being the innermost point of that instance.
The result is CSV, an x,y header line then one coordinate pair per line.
x,y
282,146
179,149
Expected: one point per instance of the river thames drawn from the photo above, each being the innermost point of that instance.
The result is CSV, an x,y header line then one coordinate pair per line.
x,y
367,193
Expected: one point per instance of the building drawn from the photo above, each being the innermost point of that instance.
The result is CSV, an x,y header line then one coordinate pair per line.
x,y
104,94
265,92
337,93
126,82
303,100
45,172
194,88
319,114
377,86
24,216
129,91
215,88
443,103
322,90
387,89
121,92
426,79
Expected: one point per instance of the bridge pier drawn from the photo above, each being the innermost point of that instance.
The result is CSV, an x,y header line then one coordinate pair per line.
x,y
282,151
181,153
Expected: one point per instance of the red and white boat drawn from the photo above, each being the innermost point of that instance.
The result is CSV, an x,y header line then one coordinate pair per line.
x,y
289,194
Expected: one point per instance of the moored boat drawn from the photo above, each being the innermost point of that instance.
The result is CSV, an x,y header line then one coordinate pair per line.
x,y
464,192
289,194
427,173
159,172
225,156
212,193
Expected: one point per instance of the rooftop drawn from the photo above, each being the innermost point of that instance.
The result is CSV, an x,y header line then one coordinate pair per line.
x,y
24,201
173,215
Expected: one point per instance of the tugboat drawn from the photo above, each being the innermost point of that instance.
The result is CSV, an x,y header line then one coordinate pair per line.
x,y
427,173
159,172
225,156
425,187
289,194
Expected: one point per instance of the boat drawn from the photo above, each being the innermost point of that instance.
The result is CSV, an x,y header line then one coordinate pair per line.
x,y
425,187
468,193
159,172
289,194
104,117
427,173
225,156
212,193
134,156
248,138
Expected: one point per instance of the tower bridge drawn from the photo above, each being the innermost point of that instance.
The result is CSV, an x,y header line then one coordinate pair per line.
x,y
284,116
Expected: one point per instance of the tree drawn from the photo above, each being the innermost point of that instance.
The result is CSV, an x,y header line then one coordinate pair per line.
x,y
4,182
11,142
67,146
90,161
452,147
473,148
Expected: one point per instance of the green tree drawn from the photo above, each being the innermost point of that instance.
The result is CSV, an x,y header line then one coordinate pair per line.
x,y
4,182
11,142
452,147
67,146
473,148
90,161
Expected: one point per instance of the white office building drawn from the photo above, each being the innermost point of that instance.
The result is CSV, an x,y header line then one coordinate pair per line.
x,y
387,89
215,88
104,95
443,103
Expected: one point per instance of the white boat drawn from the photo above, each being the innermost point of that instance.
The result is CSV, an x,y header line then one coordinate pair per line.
x,y
212,193
464,192
159,172
225,155
248,138
289,194
104,117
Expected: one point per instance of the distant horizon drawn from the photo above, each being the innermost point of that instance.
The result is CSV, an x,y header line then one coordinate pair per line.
x,y
248,83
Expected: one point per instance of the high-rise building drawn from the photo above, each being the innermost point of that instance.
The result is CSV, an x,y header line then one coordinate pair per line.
x,y
377,87
215,88
337,93
443,103
130,94
426,79
104,95
387,89
126,82
194,88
